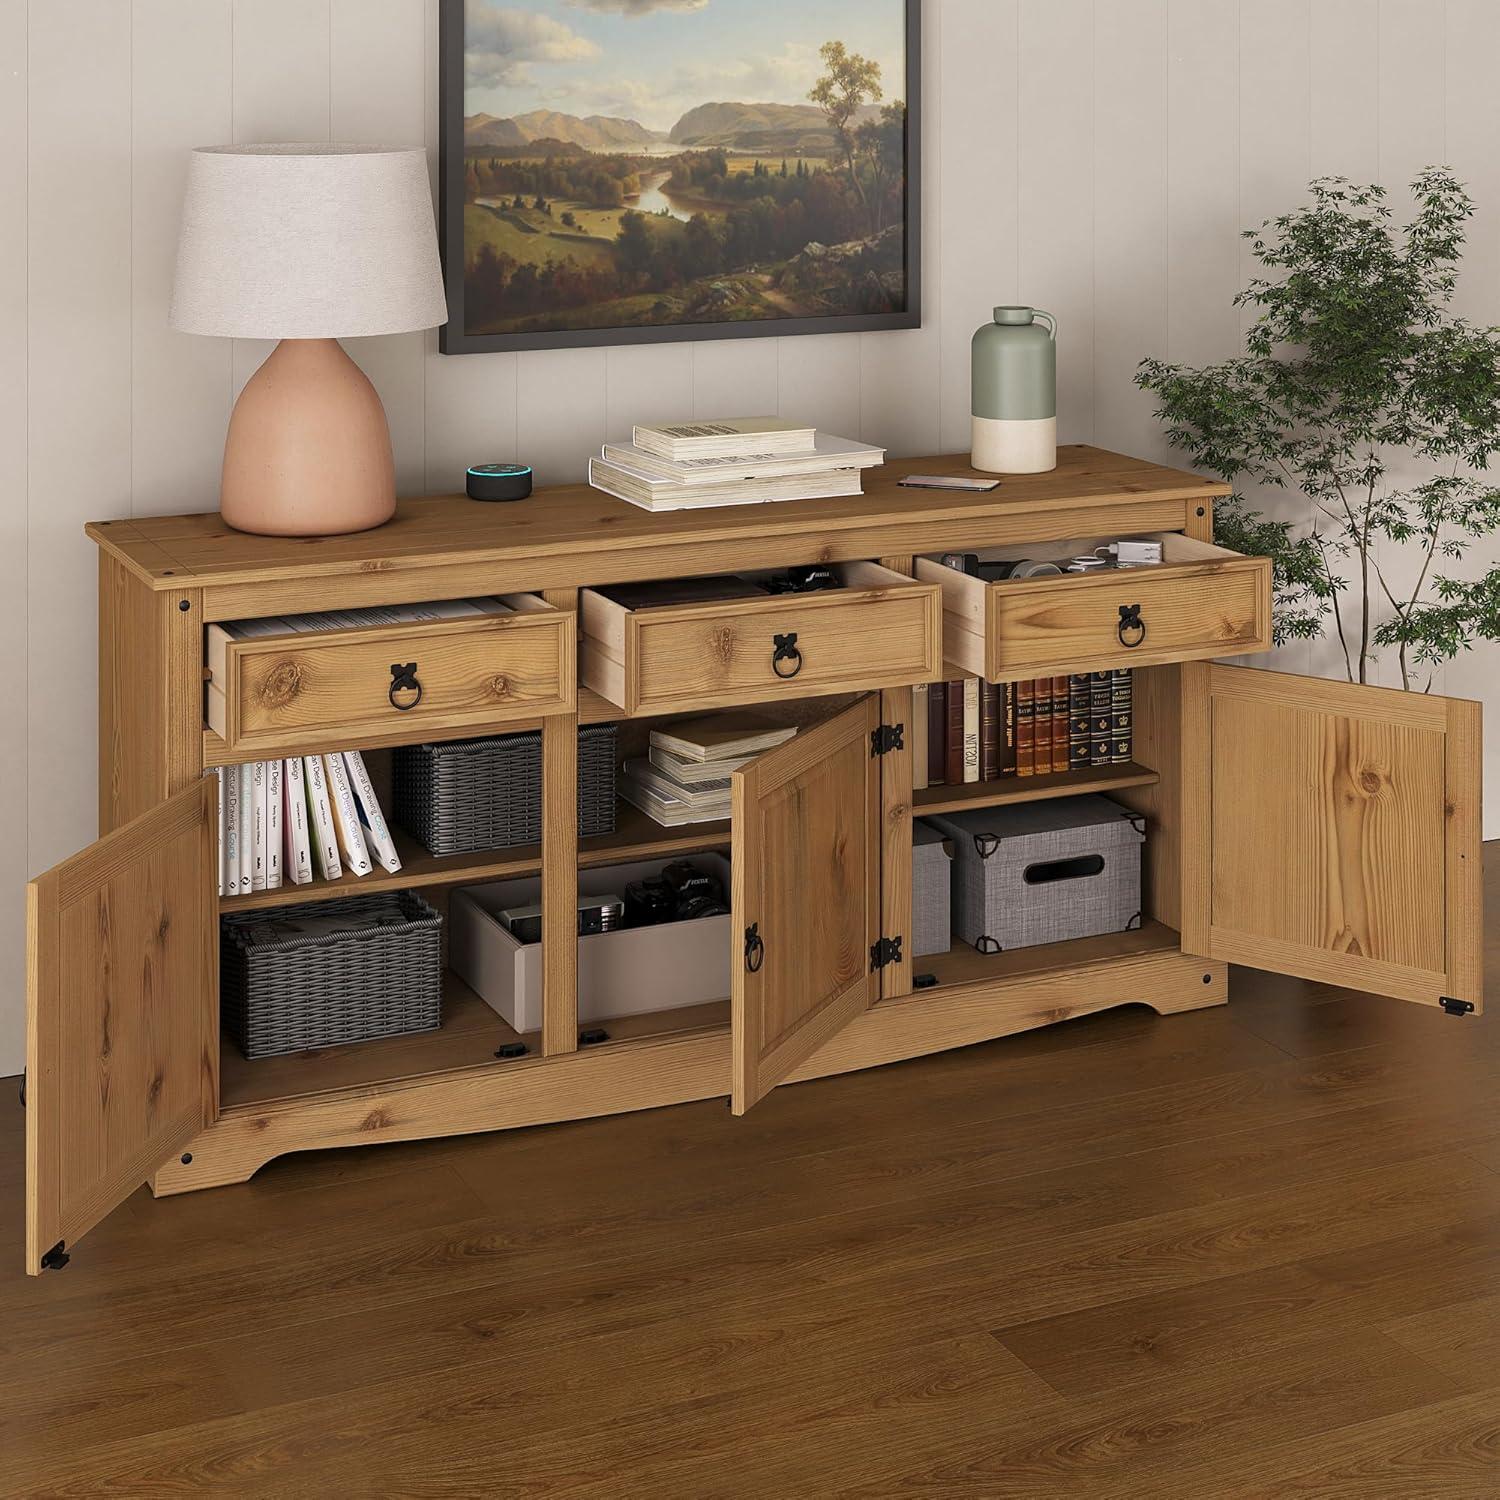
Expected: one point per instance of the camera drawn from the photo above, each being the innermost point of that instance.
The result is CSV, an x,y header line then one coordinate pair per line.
x,y
810,578
681,893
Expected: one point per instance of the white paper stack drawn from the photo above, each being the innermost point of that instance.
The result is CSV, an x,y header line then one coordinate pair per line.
x,y
687,777
743,461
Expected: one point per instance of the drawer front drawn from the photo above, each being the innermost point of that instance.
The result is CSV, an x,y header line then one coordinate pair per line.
x,y
1127,619
355,687
690,657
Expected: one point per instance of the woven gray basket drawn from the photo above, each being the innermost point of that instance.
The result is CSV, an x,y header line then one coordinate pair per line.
x,y
469,795
282,992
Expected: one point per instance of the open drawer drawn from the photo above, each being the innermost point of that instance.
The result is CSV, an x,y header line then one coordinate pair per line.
x,y
881,629
1199,602
282,691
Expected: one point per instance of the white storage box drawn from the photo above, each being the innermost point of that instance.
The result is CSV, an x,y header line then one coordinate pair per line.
x,y
619,973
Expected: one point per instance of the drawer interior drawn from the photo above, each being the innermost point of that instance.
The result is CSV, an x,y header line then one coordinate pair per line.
x,y
1177,550
753,588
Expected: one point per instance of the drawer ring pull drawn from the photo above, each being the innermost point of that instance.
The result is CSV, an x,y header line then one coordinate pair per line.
x,y
755,948
786,650
404,680
1132,628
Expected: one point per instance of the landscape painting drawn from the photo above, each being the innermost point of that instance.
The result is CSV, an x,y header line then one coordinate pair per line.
x,y
626,171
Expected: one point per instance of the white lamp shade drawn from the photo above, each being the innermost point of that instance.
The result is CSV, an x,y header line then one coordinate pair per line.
x,y
307,242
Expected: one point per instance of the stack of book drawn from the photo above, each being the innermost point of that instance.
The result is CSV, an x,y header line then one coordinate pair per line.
x,y
291,821
685,778
740,461
974,731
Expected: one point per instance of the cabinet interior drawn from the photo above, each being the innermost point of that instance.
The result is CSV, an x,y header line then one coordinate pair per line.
x,y
1149,784
472,1033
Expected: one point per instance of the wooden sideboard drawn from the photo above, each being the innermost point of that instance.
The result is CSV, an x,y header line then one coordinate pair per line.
x,y
1309,827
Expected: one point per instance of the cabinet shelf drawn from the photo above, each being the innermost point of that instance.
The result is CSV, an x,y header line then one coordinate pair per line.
x,y
636,836
943,799
962,964
469,1037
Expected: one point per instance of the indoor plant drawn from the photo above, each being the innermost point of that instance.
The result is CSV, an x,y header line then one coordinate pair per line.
x,y
1360,388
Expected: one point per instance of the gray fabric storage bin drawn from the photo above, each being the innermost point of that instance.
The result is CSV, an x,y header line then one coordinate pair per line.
x,y
1044,872
931,889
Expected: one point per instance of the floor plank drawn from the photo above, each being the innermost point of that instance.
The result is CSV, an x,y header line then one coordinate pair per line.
x,y
1247,1251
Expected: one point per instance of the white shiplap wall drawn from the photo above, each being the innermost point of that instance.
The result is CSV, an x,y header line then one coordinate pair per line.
x,y
1096,157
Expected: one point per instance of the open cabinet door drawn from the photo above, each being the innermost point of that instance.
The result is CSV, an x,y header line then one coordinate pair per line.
x,y
806,896
1345,834
122,1039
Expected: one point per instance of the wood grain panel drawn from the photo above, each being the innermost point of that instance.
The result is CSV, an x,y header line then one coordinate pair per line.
x,y
275,693
1191,611
896,835
880,630
560,868
1085,490
647,1072
1332,834
123,1033
807,879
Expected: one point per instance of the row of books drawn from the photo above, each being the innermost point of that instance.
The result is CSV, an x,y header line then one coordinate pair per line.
x,y
738,461
685,777
295,820
969,730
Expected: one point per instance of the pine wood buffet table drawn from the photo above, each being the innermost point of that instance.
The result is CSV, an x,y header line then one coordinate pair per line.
x,y
1308,827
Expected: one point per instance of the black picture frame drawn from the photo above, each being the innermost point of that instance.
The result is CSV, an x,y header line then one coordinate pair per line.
x,y
452,337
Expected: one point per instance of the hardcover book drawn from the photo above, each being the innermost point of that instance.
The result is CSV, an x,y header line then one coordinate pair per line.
x,y
729,437
1078,721
1026,727
1101,724
1059,724
971,729
919,737
1121,716
953,746
937,733
991,695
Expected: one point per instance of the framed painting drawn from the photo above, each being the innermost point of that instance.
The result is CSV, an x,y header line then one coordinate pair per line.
x,y
637,171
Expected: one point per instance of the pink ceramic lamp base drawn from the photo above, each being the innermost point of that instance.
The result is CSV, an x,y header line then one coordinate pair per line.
x,y
308,451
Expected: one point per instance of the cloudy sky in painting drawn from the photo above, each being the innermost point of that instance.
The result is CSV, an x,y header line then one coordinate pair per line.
x,y
652,60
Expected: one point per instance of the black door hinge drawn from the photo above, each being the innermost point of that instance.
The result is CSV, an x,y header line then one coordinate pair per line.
x,y
887,737
1457,1007
886,951
510,1050
592,1036
56,1258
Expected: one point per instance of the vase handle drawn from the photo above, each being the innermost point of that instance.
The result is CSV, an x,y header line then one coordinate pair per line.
x,y
1036,313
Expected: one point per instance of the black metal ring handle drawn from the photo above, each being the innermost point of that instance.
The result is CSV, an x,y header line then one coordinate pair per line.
x,y
755,948
786,650
404,680
1131,622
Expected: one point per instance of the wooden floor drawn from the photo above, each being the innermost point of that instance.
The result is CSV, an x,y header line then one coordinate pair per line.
x,y
1248,1252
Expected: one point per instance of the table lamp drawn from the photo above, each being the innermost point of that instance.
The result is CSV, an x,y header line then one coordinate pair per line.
x,y
307,244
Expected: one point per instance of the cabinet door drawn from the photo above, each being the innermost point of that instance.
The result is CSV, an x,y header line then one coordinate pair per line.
x,y
122,1041
806,896
1344,834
